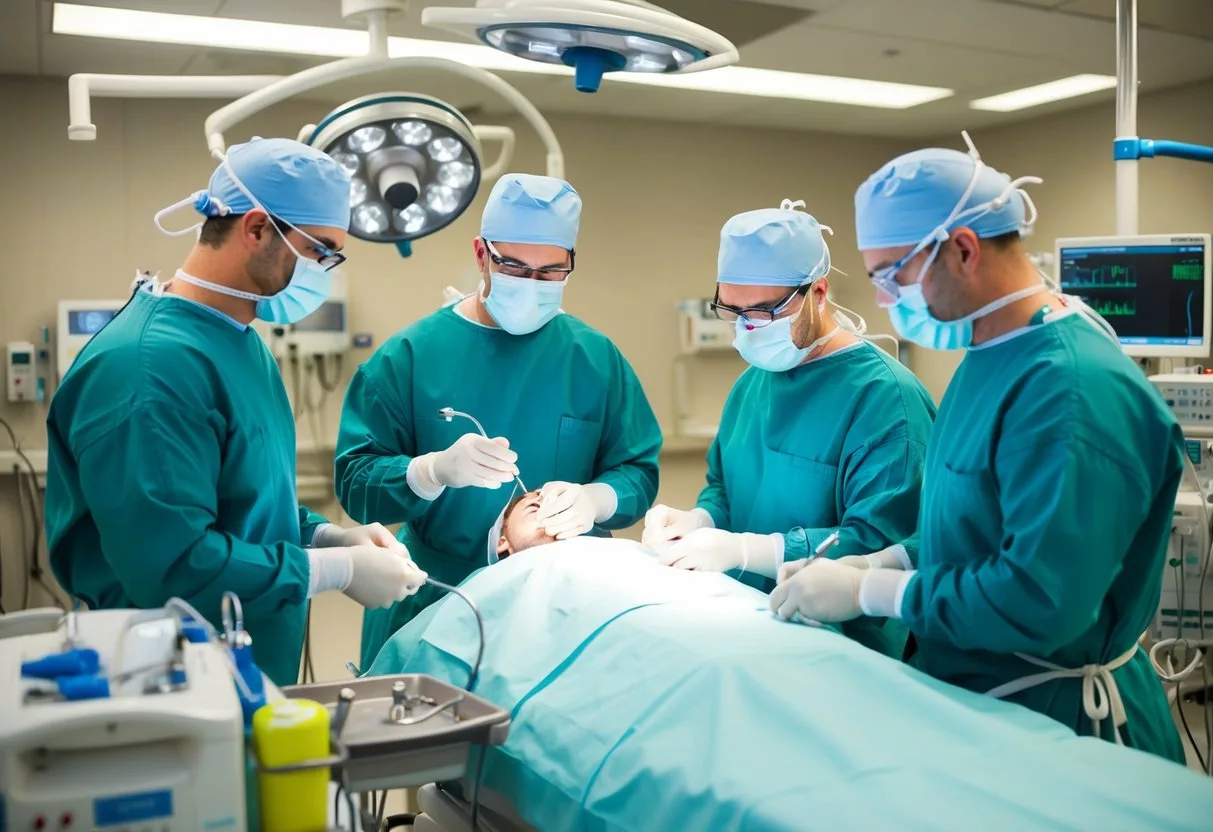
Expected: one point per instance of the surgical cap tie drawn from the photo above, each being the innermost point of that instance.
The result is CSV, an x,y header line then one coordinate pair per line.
x,y
958,215
959,212
204,203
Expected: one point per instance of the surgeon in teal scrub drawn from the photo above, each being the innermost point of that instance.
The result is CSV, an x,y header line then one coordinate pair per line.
x,y
1051,474
566,411
171,468
823,434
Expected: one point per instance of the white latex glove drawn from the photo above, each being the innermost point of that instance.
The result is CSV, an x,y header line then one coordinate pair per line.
x,y
824,590
471,460
663,525
373,576
372,534
715,550
893,557
568,510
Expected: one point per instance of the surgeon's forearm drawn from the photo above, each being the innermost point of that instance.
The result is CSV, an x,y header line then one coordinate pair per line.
x,y
635,487
376,489
309,523
266,578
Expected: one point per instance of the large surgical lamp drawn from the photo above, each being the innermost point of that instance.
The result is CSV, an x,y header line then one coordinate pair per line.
x,y
414,162
417,162
592,36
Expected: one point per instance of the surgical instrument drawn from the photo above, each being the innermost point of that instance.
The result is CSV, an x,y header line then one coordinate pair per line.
x,y
449,413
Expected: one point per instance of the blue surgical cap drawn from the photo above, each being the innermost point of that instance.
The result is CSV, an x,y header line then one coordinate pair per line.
x,y
531,209
291,180
771,247
908,198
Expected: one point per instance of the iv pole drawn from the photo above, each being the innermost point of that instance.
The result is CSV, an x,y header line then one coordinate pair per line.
x,y
1128,146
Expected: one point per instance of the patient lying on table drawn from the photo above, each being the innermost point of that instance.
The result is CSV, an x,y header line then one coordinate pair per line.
x,y
644,697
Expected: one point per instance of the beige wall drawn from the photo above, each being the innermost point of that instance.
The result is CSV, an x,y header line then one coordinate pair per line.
x,y
79,224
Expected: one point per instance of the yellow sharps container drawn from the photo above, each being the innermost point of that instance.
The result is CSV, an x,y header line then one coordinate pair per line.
x,y
286,732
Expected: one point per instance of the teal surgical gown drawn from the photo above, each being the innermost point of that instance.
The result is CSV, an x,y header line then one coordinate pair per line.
x,y
1046,511
836,444
564,396
171,472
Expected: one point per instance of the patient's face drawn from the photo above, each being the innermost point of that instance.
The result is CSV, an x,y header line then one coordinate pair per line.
x,y
521,528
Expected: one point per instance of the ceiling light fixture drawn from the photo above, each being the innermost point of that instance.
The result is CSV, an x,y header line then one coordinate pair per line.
x,y
1058,90
414,163
258,36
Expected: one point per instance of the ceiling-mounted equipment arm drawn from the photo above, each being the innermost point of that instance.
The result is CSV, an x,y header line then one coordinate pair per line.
x,y
496,133
82,86
309,79
1128,147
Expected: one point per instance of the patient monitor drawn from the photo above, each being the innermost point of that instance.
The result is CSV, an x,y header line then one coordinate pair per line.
x,y
1153,289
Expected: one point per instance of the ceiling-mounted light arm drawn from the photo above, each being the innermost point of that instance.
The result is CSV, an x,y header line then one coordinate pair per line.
x,y
225,117
82,86
499,133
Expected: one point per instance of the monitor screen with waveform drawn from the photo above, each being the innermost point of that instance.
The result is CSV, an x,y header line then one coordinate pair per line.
x,y
1153,290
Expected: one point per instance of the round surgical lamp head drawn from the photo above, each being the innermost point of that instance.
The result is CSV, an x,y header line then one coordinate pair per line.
x,y
413,161
592,36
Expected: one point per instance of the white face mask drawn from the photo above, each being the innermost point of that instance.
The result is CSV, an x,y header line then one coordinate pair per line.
x,y
521,305
771,347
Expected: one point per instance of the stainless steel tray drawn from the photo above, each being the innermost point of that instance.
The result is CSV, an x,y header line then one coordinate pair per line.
x,y
383,755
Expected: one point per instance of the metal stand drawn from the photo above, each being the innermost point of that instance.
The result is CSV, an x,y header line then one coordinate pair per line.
x,y
1128,146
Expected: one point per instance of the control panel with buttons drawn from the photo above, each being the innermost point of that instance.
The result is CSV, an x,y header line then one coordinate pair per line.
x,y
1190,397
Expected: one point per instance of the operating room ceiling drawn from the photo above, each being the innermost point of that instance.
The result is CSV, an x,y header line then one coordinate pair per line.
x,y
976,47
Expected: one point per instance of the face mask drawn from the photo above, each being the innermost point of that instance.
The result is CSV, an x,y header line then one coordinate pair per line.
x,y
914,321
910,315
771,347
308,288
520,305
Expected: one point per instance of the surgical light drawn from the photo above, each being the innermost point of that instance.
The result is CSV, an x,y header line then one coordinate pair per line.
x,y
592,36
414,162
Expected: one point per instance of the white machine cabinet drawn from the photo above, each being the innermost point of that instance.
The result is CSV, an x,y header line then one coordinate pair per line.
x,y
131,762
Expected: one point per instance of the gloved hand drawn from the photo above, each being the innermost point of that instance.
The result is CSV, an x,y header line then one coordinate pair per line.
x,y
715,550
663,525
568,510
823,590
373,534
374,576
892,557
471,460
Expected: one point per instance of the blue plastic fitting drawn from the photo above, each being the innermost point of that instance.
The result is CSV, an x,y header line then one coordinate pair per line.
x,y
77,688
590,63
80,661
405,247
1135,148
253,679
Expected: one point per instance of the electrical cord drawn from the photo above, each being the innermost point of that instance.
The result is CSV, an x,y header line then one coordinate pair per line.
x,y
322,372
471,683
475,800
34,567
474,675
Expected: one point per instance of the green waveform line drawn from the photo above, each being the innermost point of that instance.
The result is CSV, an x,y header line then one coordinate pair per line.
x,y
1112,309
1105,277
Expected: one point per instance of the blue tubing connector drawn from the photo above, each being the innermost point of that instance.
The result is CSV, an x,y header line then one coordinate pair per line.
x,y
78,688
81,661
590,63
1149,148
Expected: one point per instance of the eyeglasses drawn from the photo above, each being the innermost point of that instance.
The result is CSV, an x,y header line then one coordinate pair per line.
x,y
328,259
756,316
515,268
886,279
